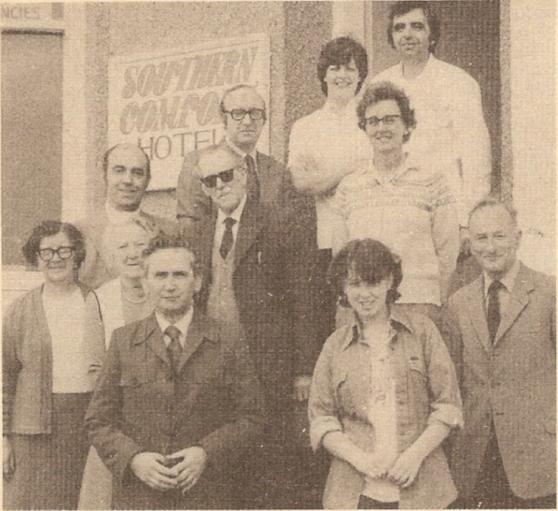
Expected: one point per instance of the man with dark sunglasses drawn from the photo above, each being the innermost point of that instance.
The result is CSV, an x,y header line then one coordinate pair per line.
x,y
244,115
257,269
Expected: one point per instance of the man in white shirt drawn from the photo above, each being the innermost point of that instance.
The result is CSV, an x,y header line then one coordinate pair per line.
x,y
177,405
126,174
451,131
501,333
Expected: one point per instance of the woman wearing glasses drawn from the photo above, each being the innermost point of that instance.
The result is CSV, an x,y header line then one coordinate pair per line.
x,y
401,202
116,303
47,377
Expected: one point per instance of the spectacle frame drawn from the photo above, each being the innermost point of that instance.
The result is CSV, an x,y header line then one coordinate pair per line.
x,y
226,176
256,114
46,254
388,120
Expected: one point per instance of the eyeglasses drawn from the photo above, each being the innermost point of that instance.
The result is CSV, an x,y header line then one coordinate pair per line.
x,y
255,114
211,181
388,120
46,254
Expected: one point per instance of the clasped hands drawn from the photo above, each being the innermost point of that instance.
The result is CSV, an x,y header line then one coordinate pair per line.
x,y
403,472
181,469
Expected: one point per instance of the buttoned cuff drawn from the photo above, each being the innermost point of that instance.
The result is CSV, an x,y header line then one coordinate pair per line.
x,y
443,413
320,427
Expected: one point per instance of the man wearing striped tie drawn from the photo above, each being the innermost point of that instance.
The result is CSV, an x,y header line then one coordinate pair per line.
x,y
177,405
501,332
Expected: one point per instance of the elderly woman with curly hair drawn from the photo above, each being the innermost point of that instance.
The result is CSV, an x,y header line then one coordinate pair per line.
x,y
384,393
47,377
404,203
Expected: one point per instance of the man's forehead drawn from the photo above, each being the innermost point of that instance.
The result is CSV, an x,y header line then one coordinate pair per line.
x,y
171,259
246,97
414,15
127,153
217,162
490,218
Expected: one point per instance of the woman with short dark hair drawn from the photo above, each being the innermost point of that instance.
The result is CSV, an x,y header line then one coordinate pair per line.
x,y
47,377
324,147
384,393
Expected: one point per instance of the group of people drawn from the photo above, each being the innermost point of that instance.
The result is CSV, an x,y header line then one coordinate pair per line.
x,y
198,364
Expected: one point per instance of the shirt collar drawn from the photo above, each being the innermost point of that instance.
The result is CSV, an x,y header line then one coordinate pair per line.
x,y
508,279
397,319
429,63
183,324
116,216
236,214
349,110
408,165
240,152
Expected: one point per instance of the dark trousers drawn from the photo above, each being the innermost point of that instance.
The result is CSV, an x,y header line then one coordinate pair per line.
x,y
492,490
368,503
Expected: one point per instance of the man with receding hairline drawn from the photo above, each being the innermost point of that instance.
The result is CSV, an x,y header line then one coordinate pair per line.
x,y
177,405
244,115
501,333
126,174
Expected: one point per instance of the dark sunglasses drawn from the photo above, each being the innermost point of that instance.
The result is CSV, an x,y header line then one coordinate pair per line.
x,y
211,181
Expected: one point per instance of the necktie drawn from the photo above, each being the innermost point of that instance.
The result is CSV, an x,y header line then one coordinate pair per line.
x,y
227,240
253,183
493,310
174,349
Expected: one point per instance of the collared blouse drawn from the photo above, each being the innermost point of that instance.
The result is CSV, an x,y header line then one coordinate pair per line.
x,y
426,391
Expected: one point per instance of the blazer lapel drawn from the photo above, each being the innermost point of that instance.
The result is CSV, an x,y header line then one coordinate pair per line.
x,y
248,230
154,339
519,298
477,312
197,332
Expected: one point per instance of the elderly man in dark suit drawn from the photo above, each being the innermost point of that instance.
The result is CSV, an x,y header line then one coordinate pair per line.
x,y
244,115
177,405
126,174
501,331
257,267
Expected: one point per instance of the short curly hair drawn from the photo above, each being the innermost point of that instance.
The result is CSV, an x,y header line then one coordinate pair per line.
x,y
401,8
52,228
339,52
386,91
371,261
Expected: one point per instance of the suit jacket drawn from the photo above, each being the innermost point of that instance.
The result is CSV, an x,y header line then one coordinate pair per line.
x,y
139,405
96,270
192,203
512,383
271,283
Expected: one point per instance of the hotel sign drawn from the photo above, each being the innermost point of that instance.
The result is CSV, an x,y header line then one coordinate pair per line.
x,y
168,102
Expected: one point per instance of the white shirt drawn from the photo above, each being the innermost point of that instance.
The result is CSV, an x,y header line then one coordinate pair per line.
x,y
382,412
220,225
117,217
333,140
451,129
65,318
183,324
508,280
